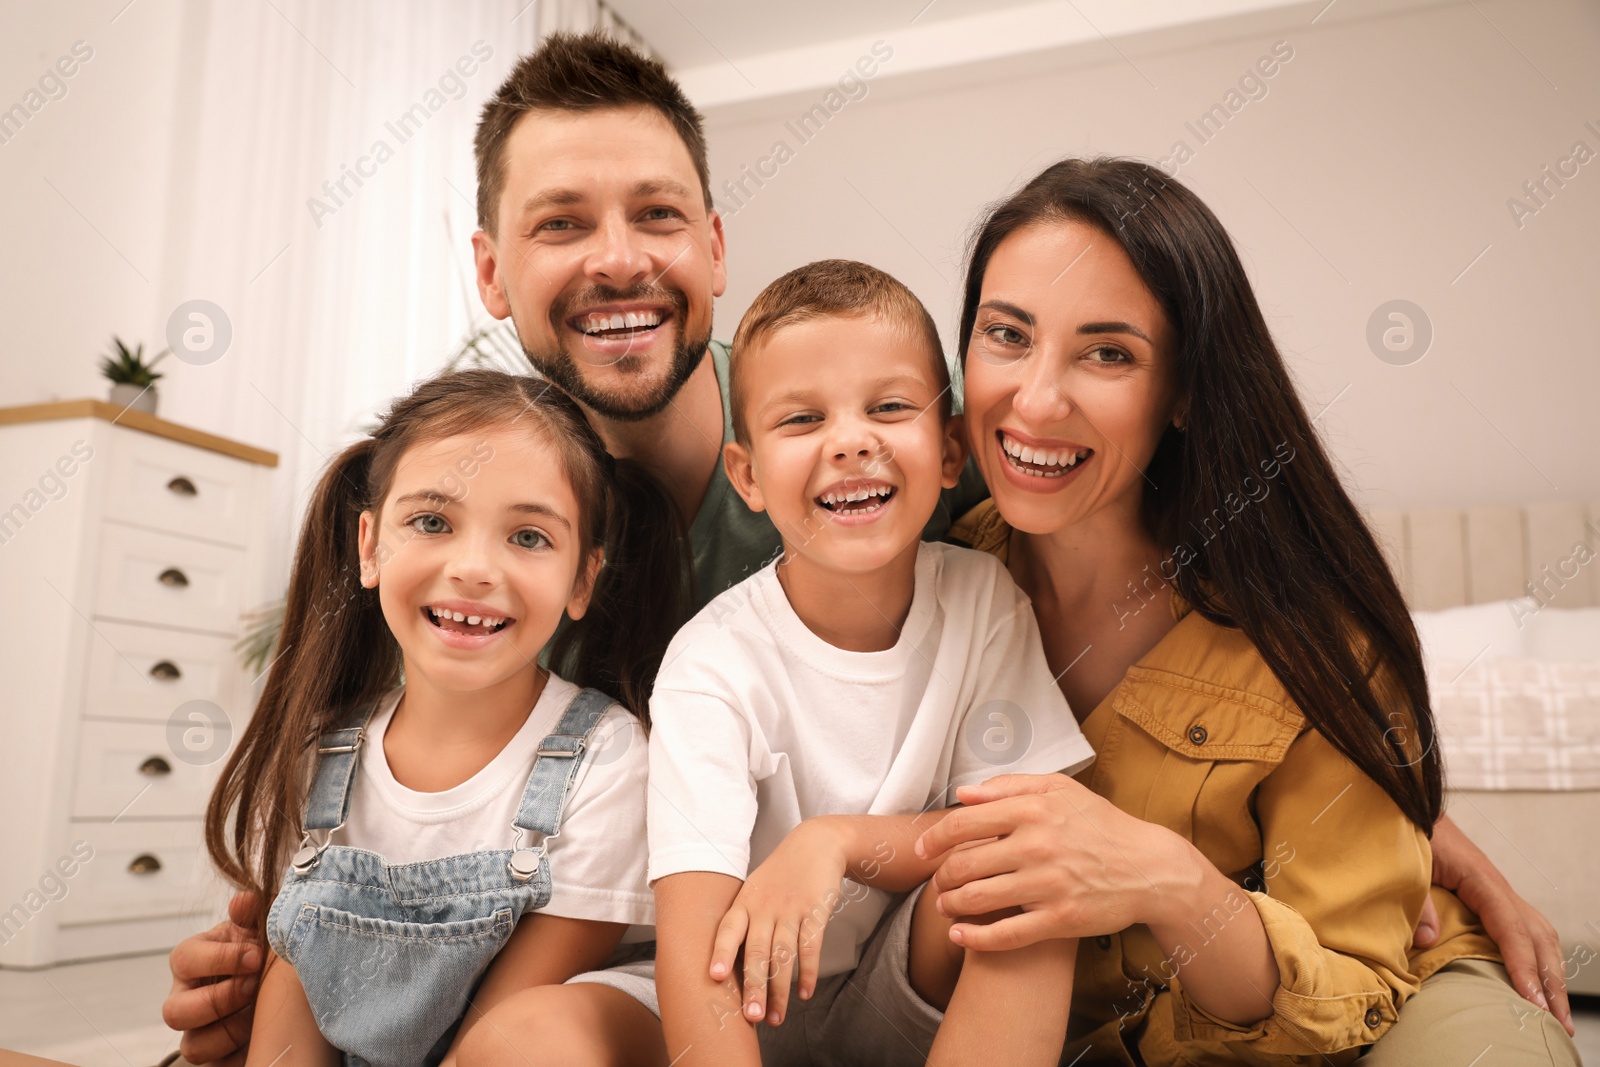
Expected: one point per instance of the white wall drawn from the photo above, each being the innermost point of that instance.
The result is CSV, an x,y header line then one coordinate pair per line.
x,y
1378,166
84,215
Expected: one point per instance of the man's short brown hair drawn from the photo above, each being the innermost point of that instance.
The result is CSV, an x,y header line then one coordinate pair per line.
x,y
831,288
579,72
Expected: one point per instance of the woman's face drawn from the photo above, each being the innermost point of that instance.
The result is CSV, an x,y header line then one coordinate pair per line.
x,y
1070,380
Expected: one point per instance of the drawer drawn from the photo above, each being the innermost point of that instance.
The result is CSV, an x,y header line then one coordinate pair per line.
x,y
168,580
162,484
135,871
148,770
141,672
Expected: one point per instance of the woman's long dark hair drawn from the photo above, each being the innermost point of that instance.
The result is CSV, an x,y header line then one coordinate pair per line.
x,y
1297,571
337,651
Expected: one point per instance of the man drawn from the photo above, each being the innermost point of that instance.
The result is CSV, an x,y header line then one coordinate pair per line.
x,y
599,241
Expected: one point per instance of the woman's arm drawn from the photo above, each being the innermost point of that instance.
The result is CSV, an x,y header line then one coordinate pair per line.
x,y
285,1032
543,950
1079,866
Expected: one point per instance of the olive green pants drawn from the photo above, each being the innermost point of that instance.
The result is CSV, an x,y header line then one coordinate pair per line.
x,y
1468,1013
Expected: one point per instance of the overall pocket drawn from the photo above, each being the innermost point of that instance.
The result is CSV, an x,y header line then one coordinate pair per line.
x,y
387,991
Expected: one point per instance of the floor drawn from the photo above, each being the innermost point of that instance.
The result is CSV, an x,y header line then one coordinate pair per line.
x,y
108,1014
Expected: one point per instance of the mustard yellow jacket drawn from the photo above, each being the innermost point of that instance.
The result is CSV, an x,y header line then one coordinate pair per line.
x,y
1200,737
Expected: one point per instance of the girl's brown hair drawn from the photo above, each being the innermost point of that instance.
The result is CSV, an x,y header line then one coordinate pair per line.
x,y
1297,571
337,651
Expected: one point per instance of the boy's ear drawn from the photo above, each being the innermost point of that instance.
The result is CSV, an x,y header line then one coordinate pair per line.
x,y
583,588
955,451
367,536
741,472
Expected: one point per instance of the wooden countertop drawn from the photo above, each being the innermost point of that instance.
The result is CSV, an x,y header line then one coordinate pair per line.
x,y
137,420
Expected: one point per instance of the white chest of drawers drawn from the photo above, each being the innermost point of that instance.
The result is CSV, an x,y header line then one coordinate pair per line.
x,y
127,556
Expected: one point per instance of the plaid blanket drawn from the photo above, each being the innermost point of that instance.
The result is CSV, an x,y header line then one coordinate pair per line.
x,y
1518,724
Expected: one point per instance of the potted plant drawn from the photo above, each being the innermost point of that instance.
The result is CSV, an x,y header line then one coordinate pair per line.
x,y
133,381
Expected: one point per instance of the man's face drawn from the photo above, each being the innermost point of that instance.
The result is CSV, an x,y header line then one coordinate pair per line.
x,y
605,257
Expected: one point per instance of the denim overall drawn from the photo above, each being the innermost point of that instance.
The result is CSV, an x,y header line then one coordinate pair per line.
x,y
389,955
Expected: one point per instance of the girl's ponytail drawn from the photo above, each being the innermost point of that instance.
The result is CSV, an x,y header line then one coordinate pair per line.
x,y
641,595
335,652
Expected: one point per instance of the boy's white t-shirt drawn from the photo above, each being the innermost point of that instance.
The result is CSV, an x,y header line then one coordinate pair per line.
x,y
597,861
758,724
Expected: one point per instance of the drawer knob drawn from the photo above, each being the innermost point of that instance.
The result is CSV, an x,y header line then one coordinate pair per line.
x,y
183,486
174,577
166,671
155,767
144,863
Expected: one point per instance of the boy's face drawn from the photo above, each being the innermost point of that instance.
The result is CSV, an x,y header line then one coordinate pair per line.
x,y
840,408
604,256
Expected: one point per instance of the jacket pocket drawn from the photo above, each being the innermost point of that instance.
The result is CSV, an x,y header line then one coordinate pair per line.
x,y
1188,755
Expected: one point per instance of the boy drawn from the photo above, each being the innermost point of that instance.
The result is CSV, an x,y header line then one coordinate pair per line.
x,y
806,717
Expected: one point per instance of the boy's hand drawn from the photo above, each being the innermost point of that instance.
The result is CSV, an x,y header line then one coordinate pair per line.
x,y
780,915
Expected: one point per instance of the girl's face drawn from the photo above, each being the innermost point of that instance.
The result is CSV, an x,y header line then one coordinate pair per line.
x,y
1069,377
475,555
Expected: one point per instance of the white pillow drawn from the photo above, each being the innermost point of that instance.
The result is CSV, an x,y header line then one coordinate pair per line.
x,y
1563,635
1487,631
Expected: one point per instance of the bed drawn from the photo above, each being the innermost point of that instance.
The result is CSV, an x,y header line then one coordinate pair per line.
x,y
1507,602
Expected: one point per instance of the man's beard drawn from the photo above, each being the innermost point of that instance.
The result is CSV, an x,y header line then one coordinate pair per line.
x,y
561,366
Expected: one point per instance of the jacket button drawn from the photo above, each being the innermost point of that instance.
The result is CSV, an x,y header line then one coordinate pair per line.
x,y
1197,734
1373,1018
1104,941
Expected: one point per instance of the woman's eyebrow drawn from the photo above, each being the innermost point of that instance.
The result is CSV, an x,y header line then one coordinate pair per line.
x,y
1114,327
1008,308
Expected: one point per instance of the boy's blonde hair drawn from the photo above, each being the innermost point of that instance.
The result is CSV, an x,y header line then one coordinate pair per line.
x,y
831,288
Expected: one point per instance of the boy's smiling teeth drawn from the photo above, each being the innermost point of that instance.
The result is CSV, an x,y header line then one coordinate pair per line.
x,y
462,623
601,322
861,499
1042,462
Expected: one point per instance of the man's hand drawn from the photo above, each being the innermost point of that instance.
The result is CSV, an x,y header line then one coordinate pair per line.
x,y
215,976
1530,945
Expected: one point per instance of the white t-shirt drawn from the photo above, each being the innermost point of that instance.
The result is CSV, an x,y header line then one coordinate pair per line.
x,y
758,724
597,861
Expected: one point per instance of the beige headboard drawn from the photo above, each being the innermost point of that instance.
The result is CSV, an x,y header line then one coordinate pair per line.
x,y
1445,558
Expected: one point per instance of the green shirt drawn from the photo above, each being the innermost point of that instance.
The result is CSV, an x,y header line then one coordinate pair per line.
x,y
729,542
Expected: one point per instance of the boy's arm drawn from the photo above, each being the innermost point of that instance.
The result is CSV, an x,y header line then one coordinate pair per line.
x,y
701,1017
285,1031
543,950
1009,1007
782,910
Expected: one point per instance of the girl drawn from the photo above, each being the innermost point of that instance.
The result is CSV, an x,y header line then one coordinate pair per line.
x,y
413,782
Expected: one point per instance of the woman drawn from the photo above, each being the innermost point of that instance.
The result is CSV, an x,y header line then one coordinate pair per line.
x,y
1240,655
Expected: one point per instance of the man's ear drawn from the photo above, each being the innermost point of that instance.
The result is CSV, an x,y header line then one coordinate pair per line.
x,y
367,536
583,588
741,471
719,256
491,290
954,448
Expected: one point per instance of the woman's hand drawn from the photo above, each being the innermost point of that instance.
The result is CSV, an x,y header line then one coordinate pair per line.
x,y
779,916
1530,945
1075,864
215,977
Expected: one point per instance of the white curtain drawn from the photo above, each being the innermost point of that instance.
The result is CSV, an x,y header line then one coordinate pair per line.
x,y
330,199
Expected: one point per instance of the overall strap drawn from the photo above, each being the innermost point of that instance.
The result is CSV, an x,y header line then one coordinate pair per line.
x,y
554,769
328,805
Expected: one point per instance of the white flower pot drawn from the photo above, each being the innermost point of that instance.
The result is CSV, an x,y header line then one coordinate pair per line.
x,y
136,397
